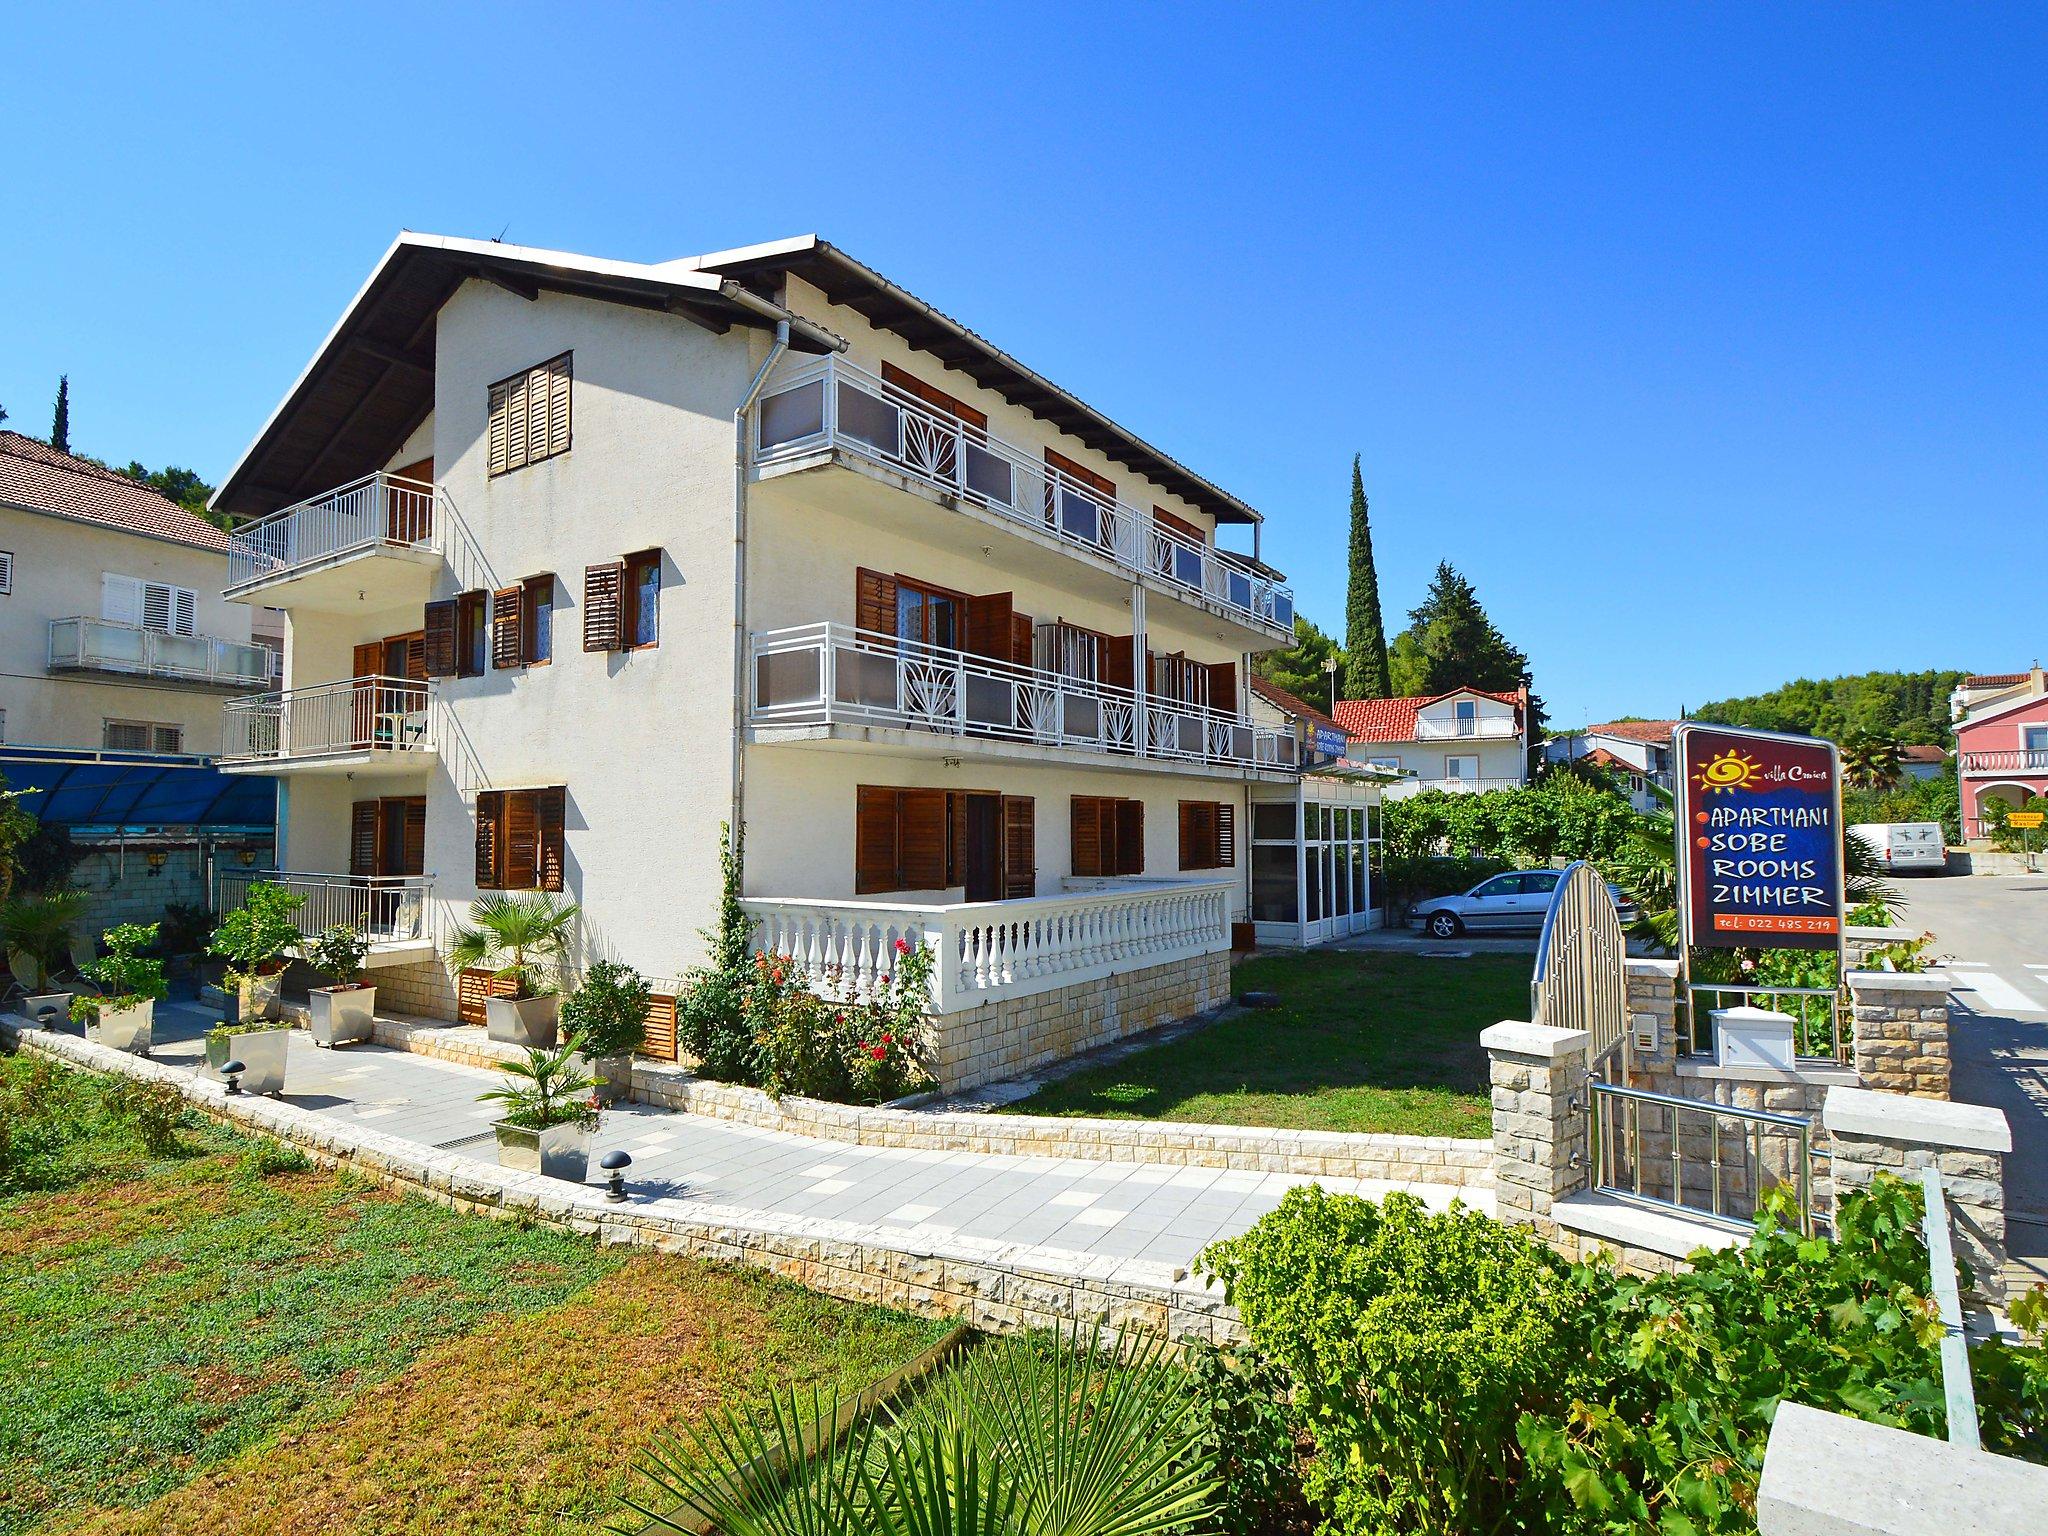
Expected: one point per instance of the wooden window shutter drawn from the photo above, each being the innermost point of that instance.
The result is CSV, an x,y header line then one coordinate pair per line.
x,y
550,815
1226,834
1020,847
1087,836
416,658
1100,484
874,841
415,813
439,638
558,377
1202,835
658,1030
988,625
490,826
874,601
923,840
603,616
1020,639
1116,662
1223,687
1130,837
476,985
1189,834
508,643
369,660
933,396
362,838
522,841
1179,525
500,426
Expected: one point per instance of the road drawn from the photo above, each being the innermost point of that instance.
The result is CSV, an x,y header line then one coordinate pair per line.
x,y
1993,929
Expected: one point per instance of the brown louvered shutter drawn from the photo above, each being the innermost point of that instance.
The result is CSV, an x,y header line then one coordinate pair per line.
x,y
439,638
1116,662
922,840
474,986
558,379
1189,834
508,645
1130,837
658,1031
1201,834
1087,836
362,838
522,841
550,816
499,437
1020,639
1020,847
490,823
368,659
416,657
874,840
415,842
988,625
874,601
1223,687
602,615
1226,834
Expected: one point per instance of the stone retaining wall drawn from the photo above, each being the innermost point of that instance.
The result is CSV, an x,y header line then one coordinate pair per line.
x,y
1001,1288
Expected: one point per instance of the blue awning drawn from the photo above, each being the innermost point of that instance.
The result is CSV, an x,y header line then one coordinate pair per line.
x,y
133,792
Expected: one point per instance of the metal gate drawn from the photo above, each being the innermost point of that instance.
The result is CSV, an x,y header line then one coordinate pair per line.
x,y
1578,982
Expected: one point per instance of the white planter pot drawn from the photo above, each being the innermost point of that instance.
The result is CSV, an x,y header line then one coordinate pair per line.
x,y
523,1021
123,1029
261,1052
38,1009
341,1015
560,1151
258,999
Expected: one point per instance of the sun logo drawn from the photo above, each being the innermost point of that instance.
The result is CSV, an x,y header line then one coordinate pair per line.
x,y
1728,772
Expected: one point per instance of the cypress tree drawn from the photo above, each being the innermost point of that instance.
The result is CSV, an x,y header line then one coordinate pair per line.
x,y
1365,632
60,422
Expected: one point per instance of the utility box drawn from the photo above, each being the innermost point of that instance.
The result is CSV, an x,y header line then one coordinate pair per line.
x,y
1753,1037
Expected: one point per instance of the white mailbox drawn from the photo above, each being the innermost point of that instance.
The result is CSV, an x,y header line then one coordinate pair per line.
x,y
1753,1037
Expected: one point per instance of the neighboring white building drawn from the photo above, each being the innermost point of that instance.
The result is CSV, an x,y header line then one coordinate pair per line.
x,y
583,558
1462,741
1920,761
1638,752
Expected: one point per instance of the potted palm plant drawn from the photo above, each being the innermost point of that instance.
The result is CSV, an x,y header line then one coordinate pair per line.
x,y
550,1113
345,1012
257,941
37,931
512,937
608,1013
121,1015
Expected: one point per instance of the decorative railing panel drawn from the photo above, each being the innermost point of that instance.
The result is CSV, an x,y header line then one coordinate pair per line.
x,y
1578,982
1484,728
360,714
2015,760
1708,1160
377,511
103,645
837,404
387,909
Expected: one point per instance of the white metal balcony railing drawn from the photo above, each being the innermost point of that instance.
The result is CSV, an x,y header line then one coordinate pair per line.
x,y
84,644
386,909
990,950
360,714
377,511
1485,727
837,404
2014,760
1451,786
831,674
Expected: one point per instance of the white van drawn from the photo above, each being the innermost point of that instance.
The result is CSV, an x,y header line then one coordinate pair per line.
x,y
1905,847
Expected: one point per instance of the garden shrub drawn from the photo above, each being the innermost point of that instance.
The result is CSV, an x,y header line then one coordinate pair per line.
x,y
1415,1343
1251,1434
266,1159
608,1012
154,1109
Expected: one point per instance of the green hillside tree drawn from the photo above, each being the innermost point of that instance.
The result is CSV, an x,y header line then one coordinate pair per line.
x,y
1451,643
1366,674
60,419
1911,707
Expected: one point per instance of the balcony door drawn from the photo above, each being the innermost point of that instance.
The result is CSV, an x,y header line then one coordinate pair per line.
x,y
409,513
378,709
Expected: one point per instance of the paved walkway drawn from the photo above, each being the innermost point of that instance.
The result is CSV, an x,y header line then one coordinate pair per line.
x,y
1065,1209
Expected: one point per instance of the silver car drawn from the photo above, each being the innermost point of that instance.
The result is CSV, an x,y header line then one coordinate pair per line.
x,y
1515,900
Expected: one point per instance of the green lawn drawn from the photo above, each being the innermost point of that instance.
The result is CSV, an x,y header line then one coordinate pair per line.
x,y
195,1344
1361,1042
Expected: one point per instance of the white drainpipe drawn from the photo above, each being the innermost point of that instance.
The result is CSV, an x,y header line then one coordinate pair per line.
x,y
739,567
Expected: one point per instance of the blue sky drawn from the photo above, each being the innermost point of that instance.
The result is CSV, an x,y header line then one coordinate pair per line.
x,y
1707,341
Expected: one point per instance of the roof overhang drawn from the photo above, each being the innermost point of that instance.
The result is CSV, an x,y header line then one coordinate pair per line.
x,y
865,291
372,380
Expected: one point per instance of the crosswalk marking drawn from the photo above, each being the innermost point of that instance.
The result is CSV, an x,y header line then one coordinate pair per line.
x,y
1993,992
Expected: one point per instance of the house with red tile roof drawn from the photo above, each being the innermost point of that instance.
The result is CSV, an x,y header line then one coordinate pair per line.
x,y
1461,741
1638,752
2001,742
1920,761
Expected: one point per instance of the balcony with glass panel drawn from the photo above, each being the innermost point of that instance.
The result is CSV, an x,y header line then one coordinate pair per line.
x,y
107,646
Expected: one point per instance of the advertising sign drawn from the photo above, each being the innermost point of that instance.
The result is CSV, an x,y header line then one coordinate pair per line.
x,y
1759,839
1330,743
2028,819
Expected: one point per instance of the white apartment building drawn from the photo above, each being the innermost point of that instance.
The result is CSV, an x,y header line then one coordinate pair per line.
x,y
583,558
1462,741
1637,752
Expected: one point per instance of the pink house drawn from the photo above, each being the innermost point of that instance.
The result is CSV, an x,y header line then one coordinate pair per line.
x,y
2001,741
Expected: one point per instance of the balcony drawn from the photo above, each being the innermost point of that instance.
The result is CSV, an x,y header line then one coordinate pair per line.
x,y
833,406
2014,760
359,725
1450,786
314,555
129,650
991,950
392,911
834,683
1484,728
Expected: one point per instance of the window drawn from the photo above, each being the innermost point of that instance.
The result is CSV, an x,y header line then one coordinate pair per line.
x,y
621,603
1108,836
141,736
1461,767
472,634
388,837
529,416
520,839
153,605
6,572
522,624
2034,738
642,625
927,614
1466,712
1208,834
901,840
1391,764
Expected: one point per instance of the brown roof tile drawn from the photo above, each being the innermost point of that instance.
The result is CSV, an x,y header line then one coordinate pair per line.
x,y
1635,730
37,477
1394,719
1294,704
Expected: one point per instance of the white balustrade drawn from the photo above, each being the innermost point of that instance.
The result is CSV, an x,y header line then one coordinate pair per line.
x,y
1485,727
377,511
832,403
387,909
2011,760
104,645
986,951
359,714
832,674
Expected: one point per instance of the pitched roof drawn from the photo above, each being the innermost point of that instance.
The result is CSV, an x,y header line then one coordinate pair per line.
x,y
1916,752
1293,704
37,478
1394,719
1634,730
1995,680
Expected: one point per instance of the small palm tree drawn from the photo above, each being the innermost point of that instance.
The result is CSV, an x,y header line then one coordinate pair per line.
x,y
549,1088
1870,760
1028,1438
511,935
37,931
